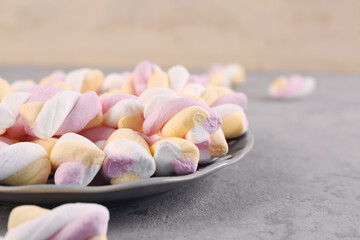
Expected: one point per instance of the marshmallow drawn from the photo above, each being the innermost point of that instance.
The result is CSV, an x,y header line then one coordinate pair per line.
x,y
228,75
80,221
178,77
234,121
75,160
23,164
215,147
67,111
128,157
85,79
217,95
123,111
16,100
22,85
5,88
119,81
152,92
56,79
7,118
295,86
142,73
98,135
182,117
175,156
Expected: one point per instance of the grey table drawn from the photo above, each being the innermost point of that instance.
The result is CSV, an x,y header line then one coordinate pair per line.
x,y
300,181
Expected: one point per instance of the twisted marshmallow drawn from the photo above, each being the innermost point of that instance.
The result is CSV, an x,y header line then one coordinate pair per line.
x,y
75,160
23,164
122,111
16,100
215,147
128,157
229,106
121,82
175,156
67,111
85,79
76,221
180,117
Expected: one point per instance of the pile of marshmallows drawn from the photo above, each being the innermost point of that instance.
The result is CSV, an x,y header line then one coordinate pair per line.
x,y
123,127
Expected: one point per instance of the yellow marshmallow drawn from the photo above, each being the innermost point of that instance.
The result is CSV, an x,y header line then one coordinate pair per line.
x,y
238,78
30,111
133,122
36,172
76,151
280,83
218,145
25,213
213,93
183,121
125,133
158,80
47,144
92,81
97,121
233,124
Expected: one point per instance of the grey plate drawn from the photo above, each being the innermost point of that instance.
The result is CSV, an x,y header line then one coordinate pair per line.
x,y
53,194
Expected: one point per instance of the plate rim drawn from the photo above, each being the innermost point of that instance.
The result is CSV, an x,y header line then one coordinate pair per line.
x,y
207,170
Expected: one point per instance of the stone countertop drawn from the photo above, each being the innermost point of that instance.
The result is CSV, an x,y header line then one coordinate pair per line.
x,y
300,181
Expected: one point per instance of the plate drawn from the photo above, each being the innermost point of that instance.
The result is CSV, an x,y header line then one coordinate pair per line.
x,y
54,194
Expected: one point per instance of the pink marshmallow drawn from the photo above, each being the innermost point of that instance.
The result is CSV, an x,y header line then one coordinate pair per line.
x,y
142,73
85,110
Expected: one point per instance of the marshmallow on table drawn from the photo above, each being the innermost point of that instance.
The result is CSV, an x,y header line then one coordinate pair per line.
x,y
295,86
175,156
67,111
98,135
7,118
85,79
229,105
122,111
74,221
181,117
215,147
23,163
226,75
75,160
5,88
128,157
121,82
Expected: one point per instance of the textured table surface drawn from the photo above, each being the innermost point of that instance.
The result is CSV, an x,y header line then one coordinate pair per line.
x,y
300,181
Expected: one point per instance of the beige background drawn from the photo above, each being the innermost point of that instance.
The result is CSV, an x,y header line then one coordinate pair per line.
x,y
320,35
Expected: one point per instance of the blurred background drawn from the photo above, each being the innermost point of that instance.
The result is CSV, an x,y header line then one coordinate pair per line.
x,y
302,35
